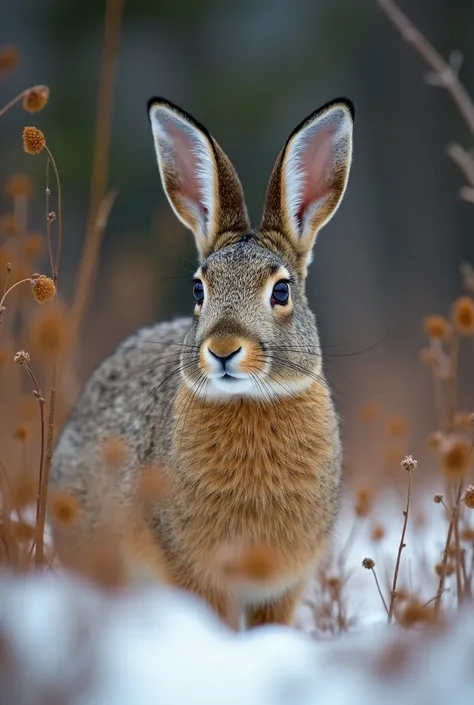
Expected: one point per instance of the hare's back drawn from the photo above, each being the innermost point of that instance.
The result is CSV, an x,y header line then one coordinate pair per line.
x,y
130,397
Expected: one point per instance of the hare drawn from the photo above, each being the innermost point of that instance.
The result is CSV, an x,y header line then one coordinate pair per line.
x,y
233,401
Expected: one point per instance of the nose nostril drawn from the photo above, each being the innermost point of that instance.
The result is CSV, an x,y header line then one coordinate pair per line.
x,y
224,358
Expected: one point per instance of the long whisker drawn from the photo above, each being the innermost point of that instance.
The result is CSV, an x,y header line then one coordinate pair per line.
x,y
153,392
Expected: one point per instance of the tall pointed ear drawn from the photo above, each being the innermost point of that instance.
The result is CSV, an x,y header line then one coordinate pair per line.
x,y
310,177
198,178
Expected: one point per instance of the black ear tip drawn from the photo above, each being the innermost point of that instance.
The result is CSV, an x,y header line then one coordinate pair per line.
x,y
157,100
346,102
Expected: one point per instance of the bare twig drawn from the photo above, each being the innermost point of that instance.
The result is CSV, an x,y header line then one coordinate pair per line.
x,y
444,562
446,73
44,480
379,589
94,230
393,592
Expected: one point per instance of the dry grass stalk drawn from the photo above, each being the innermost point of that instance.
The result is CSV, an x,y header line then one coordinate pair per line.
x,y
100,203
445,75
409,464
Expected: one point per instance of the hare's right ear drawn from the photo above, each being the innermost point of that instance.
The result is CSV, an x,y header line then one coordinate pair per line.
x,y
198,178
310,177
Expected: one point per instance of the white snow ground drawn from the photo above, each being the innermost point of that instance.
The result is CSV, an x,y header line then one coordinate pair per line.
x,y
63,642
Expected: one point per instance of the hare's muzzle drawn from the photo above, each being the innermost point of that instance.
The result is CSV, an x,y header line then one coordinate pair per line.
x,y
230,362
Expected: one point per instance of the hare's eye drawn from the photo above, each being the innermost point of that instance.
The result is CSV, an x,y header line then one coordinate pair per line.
x,y
198,291
280,293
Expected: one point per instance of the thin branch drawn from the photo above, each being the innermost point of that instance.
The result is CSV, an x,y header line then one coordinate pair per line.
x,y
113,21
393,592
444,562
379,589
446,73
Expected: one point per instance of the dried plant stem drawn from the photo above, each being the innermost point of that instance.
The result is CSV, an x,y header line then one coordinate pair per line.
x,y
379,589
15,100
60,219
444,562
37,392
452,383
22,281
113,20
393,592
446,74
44,480
47,220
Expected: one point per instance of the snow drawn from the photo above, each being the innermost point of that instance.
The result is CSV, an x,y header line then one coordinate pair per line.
x,y
63,639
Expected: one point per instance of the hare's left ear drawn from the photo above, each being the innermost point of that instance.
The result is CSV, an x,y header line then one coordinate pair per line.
x,y
201,184
310,177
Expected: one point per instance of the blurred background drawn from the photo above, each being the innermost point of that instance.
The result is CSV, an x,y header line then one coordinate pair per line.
x,y
250,71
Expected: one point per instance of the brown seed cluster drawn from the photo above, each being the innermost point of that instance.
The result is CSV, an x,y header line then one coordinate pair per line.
x,y
409,463
64,508
21,358
437,498
363,505
34,140
19,185
397,427
36,99
463,315
9,58
468,497
437,327
455,457
42,288
50,333
368,563
378,533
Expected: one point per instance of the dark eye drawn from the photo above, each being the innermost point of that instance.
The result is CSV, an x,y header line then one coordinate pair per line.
x,y
280,293
198,291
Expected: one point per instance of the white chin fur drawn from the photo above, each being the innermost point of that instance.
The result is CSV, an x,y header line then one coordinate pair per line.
x,y
218,388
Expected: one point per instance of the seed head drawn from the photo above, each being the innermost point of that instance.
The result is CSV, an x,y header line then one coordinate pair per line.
x,y
36,99
462,419
50,333
363,505
9,58
468,497
21,358
368,563
409,463
64,508
42,288
463,315
467,534
435,439
21,432
397,427
34,140
19,185
439,569
437,327
437,498
456,456
378,533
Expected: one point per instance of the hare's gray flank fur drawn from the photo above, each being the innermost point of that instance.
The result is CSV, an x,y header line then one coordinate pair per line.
x,y
232,402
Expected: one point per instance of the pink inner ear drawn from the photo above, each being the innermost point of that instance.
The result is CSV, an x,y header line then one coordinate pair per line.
x,y
187,167
313,163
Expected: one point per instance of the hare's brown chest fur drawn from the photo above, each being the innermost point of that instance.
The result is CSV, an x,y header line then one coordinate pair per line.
x,y
252,473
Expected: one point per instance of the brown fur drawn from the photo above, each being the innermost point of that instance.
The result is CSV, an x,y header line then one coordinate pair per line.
x,y
249,480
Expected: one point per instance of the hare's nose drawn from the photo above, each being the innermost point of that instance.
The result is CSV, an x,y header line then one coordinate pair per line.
x,y
223,359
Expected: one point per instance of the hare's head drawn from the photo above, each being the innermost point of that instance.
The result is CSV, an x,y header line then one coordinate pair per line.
x,y
253,333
